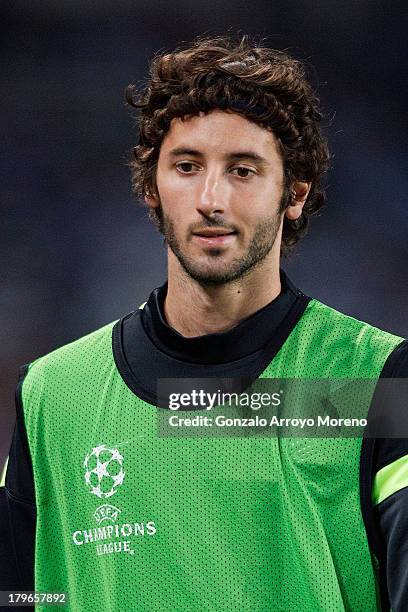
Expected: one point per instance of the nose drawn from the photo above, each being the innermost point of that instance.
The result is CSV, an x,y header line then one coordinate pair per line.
x,y
213,194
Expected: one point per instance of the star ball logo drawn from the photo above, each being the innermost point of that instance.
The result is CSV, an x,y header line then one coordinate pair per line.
x,y
104,471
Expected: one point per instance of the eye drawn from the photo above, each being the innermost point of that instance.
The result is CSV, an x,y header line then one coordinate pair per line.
x,y
186,167
243,172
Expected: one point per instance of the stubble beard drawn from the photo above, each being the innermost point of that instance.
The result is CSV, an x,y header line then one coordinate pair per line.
x,y
261,243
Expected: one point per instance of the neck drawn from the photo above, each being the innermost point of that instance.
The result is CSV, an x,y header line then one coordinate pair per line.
x,y
196,310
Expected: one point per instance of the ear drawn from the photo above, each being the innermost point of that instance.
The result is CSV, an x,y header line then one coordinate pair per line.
x,y
151,199
299,192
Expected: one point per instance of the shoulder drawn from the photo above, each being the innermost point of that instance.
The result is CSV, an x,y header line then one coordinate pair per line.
x,y
352,344
344,327
67,364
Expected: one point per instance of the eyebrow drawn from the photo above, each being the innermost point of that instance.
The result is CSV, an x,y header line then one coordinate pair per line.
x,y
230,157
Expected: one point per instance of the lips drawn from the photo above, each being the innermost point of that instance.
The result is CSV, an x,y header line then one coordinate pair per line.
x,y
213,232
212,237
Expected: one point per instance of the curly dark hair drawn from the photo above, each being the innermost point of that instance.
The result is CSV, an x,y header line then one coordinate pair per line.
x,y
266,86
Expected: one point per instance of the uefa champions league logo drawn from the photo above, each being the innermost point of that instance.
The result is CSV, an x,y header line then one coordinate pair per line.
x,y
104,474
104,471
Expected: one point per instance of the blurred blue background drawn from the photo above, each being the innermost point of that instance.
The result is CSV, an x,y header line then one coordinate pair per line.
x,y
78,251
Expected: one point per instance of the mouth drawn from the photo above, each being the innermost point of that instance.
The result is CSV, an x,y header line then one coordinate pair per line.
x,y
214,236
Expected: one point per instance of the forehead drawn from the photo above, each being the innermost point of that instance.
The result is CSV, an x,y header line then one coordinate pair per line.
x,y
220,132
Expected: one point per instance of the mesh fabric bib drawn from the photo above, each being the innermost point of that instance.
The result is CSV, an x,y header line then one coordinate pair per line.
x,y
130,521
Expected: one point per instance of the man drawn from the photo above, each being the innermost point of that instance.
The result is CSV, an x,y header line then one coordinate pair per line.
x,y
229,161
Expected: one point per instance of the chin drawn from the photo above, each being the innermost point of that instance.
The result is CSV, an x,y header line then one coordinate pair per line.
x,y
213,276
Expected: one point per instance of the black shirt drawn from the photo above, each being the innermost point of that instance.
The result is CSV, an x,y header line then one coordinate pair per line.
x,y
146,348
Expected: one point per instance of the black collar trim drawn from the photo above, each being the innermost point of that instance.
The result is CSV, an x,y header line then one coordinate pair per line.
x,y
248,336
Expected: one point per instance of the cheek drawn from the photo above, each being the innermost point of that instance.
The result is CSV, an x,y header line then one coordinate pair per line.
x,y
172,207
174,197
254,205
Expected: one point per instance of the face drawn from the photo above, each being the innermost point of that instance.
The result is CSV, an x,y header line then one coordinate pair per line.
x,y
220,187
